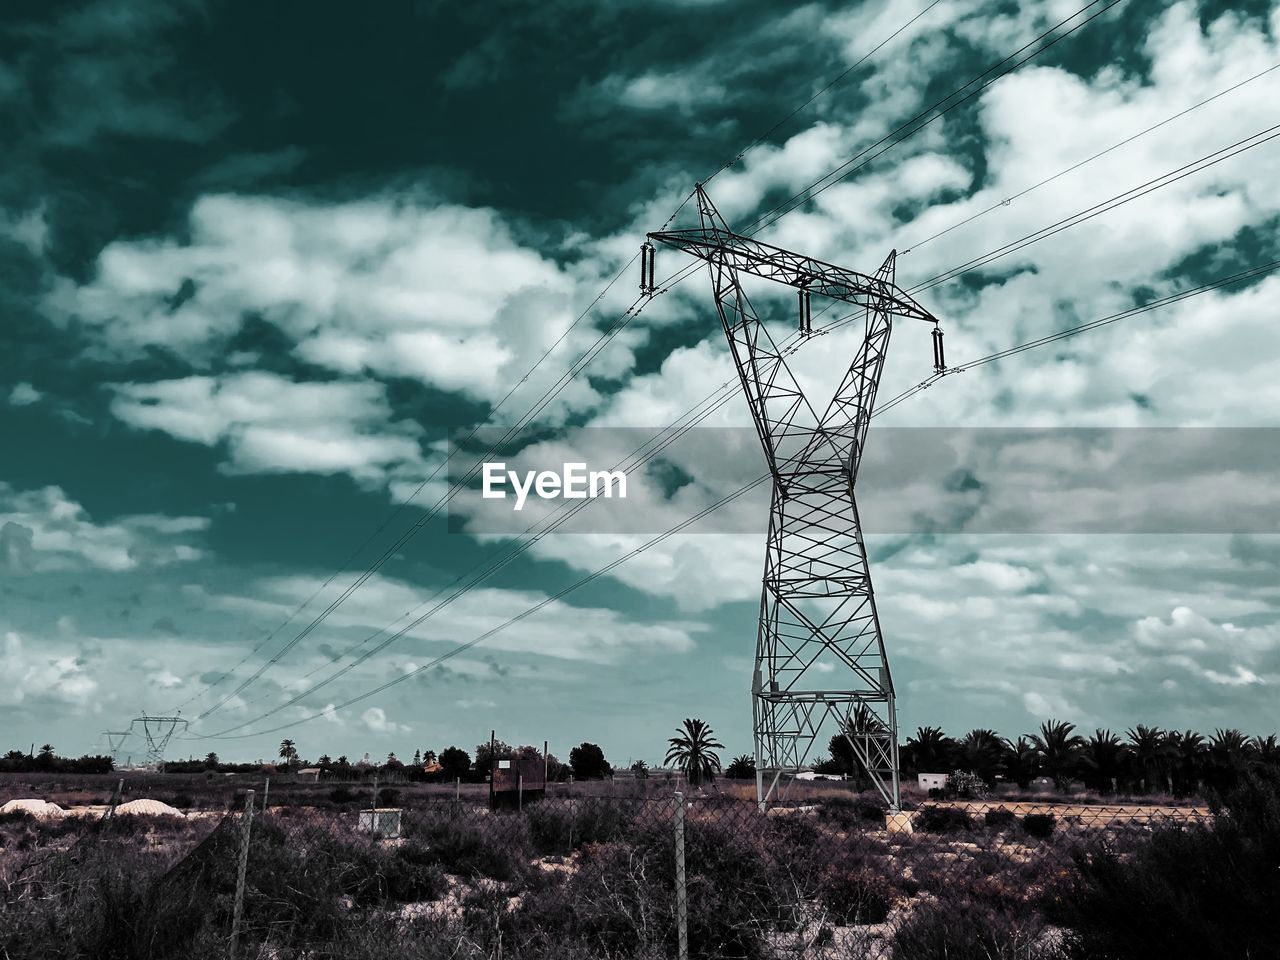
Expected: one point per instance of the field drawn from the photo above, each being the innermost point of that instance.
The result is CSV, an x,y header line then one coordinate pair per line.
x,y
594,870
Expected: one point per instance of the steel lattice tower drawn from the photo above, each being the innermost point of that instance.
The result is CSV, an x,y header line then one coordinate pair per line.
x,y
157,731
819,651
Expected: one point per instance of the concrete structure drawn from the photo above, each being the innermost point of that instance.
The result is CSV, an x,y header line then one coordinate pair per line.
x,y
934,781
384,822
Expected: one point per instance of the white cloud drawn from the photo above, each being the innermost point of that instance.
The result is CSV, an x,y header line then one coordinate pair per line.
x,y
271,424
30,677
43,530
23,394
375,720
441,293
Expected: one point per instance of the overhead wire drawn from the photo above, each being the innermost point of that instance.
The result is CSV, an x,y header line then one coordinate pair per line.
x,y
1175,175
1164,180
925,118
391,551
1239,277
1007,201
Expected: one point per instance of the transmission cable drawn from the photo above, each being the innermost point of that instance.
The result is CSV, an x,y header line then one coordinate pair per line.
x,y
560,385
1097,210
861,159
1240,277
1164,180
1007,201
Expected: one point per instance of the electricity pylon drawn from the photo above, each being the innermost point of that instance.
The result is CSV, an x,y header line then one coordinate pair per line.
x,y
157,731
820,653
115,743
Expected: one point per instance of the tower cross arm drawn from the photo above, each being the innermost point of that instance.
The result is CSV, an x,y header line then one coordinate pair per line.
x,y
783,266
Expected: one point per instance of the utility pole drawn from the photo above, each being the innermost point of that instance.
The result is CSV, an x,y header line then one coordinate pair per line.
x,y
818,621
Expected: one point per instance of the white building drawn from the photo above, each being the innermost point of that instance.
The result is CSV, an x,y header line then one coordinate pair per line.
x,y
934,781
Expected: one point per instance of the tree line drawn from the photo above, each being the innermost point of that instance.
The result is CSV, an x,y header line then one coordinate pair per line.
x,y
1144,759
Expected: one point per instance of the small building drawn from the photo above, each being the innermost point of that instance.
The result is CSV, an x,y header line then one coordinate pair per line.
x,y
309,773
382,823
933,781
517,782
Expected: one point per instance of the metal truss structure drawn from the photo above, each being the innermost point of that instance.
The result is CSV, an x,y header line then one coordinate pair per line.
x,y
820,653
157,731
115,742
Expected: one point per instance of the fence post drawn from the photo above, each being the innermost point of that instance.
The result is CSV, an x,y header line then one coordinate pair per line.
x,y
266,792
682,899
116,797
245,825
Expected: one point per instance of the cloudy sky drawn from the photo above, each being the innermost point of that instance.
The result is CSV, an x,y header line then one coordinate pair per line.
x,y
261,263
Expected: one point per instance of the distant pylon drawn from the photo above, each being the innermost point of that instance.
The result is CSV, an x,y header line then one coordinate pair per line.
x,y
115,743
157,731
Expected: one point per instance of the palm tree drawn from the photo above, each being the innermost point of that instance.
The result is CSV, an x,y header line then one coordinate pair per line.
x,y
288,752
1228,756
1103,757
1189,753
741,767
1266,752
980,753
1059,751
1020,760
930,750
692,751
1151,754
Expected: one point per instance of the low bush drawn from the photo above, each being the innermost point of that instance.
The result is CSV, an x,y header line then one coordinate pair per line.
x,y
960,929
1039,825
413,875
943,819
857,896
344,794
560,827
1208,892
1000,817
388,797
496,847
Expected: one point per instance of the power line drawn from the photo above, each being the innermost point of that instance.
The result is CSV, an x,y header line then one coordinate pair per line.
x,y
1076,166
1164,180
1220,283
637,458
1081,217
548,397
545,401
831,83
421,486
861,159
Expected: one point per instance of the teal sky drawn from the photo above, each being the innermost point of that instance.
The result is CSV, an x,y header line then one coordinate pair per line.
x,y
258,261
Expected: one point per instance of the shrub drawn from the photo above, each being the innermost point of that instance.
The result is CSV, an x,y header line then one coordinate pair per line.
x,y
795,830
1039,825
959,929
413,875
1000,817
388,797
943,819
968,785
857,895
561,827
1194,891
343,794
499,849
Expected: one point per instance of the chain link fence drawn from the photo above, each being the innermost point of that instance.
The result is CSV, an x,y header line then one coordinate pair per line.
x,y
590,877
